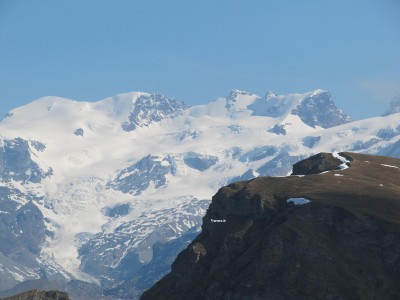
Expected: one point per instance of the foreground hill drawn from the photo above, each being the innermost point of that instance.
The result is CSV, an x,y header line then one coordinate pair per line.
x,y
39,295
330,231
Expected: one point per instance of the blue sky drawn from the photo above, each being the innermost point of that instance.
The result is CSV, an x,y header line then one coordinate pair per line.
x,y
197,51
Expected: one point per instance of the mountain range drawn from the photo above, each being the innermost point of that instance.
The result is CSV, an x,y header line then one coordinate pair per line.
x,y
106,194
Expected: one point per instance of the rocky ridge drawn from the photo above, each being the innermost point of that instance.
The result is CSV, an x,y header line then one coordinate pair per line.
x,y
333,234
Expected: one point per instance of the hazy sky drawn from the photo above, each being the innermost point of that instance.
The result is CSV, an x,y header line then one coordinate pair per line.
x,y
197,51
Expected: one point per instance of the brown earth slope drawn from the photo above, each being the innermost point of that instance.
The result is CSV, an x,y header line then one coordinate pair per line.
x,y
39,295
254,244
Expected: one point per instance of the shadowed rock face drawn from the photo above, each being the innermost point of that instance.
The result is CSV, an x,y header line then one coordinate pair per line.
x,y
320,110
316,164
16,162
257,244
40,295
152,108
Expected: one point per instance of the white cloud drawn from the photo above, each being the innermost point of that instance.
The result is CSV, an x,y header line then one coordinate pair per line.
x,y
382,89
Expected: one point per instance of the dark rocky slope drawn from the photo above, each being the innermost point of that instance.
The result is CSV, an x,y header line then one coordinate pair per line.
x,y
39,295
76,289
254,244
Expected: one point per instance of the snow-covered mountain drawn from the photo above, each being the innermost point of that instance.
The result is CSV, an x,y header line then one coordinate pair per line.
x,y
394,106
109,192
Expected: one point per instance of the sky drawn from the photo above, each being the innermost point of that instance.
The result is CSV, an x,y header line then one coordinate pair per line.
x,y
197,51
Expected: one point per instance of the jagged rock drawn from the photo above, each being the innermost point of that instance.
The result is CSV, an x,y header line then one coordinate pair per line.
x,y
79,132
153,108
232,99
16,162
143,257
143,277
118,210
198,161
138,177
388,133
278,129
320,110
315,109
342,241
28,230
316,164
362,145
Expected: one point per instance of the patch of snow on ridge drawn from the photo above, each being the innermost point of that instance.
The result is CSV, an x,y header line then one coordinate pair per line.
x,y
343,165
389,166
298,201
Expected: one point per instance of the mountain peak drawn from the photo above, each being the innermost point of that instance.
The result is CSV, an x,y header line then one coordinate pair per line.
x,y
318,91
150,108
46,103
239,100
315,108
394,106
270,94
236,92
318,109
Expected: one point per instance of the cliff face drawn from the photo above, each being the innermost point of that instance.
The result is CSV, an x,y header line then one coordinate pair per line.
x,y
332,235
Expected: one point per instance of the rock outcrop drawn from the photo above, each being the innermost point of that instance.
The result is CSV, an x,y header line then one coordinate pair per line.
x,y
332,235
